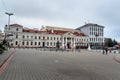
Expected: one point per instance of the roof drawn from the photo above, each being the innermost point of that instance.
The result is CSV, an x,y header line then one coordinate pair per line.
x,y
57,28
56,32
90,24
16,25
33,31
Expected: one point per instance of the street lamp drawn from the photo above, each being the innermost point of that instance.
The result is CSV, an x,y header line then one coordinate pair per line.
x,y
9,14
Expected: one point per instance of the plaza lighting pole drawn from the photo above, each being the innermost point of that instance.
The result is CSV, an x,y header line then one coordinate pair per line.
x,y
9,14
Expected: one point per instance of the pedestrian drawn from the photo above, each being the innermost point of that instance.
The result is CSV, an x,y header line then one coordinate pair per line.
x,y
110,50
106,50
103,50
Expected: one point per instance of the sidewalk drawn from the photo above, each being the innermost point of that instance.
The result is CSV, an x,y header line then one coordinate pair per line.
x,y
5,55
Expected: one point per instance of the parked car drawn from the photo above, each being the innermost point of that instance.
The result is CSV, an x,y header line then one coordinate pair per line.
x,y
112,48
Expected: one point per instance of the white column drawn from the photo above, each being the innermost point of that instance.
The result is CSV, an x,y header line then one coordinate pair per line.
x,y
74,41
71,42
66,41
63,41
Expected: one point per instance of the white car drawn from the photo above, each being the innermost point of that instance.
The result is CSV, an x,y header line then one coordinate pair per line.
x,y
114,51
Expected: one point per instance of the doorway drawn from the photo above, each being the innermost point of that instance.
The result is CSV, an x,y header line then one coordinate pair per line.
x,y
43,44
68,45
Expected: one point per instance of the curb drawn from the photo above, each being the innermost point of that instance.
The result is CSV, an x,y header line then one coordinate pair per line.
x,y
6,62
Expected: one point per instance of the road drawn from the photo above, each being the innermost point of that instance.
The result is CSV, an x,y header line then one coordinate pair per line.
x,y
32,64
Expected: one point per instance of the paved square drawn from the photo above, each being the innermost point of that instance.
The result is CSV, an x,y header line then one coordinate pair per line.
x,y
34,64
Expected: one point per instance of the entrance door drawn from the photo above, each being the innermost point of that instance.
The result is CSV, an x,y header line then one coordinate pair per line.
x,y
68,45
43,45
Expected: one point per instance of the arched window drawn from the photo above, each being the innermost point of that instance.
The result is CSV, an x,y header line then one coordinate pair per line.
x,y
17,29
47,43
39,43
23,36
31,43
23,43
47,38
50,43
39,37
43,38
35,43
27,36
27,43
16,43
54,38
16,36
35,37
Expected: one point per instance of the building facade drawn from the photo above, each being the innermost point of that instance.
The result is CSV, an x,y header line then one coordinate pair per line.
x,y
2,36
47,36
95,33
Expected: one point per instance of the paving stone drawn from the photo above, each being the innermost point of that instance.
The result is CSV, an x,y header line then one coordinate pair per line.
x,y
32,64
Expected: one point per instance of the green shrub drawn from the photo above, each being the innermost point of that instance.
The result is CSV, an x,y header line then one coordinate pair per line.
x,y
2,47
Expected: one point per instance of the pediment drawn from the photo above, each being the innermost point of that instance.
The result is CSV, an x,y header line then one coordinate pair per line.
x,y
69,34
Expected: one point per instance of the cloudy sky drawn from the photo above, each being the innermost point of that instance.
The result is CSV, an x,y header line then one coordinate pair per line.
x,y
63,13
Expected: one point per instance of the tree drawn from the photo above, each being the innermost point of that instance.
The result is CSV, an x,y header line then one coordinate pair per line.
x,y
115,42
110,43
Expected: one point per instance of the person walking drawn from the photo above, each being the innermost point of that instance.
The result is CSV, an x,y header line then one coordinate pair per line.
x,y
106,50
103,50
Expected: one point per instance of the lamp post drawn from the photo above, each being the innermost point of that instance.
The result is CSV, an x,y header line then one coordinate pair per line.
x,y
9,14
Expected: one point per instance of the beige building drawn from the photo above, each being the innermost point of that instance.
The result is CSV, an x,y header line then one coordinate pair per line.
x,y
2,36
47,36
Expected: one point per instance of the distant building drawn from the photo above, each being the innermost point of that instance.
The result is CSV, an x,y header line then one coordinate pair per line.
x,y
95,33
47,36
2,36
